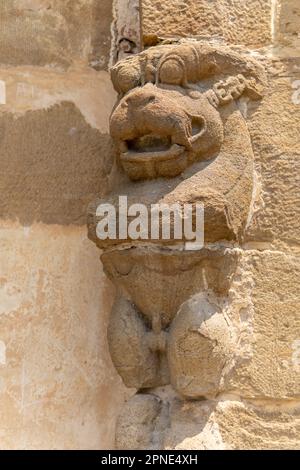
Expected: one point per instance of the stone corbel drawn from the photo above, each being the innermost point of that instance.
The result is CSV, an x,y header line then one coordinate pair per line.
x,y
181,139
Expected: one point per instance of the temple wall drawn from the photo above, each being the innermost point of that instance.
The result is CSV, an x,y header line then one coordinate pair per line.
x,y
58,387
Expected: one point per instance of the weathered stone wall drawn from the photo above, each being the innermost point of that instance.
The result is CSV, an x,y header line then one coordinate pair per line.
x,y
236,21
287,23
58,388
262,409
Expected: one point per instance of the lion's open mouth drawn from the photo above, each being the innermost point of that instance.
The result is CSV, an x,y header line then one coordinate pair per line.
x,y
149,147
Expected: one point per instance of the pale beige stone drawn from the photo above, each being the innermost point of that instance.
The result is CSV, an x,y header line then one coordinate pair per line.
x,y
180,118
141,423
57,384
265,426
288,24
38,88
58,387
55,32
224,424
274,130
264,306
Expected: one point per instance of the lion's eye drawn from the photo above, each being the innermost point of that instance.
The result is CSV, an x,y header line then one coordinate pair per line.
x,y
171,73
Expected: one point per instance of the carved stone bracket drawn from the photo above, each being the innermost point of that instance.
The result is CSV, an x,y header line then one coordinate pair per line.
x,y
182,139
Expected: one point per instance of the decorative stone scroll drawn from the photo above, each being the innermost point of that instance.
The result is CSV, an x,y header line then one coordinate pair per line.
x,y
182,138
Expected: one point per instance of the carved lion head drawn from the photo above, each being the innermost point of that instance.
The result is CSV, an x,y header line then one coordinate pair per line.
x,y
168,113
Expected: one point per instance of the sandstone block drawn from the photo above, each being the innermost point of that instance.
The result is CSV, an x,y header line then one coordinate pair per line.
x,y
238,22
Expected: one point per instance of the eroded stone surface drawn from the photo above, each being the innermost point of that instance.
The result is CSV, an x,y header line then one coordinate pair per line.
x,y
57,378
127,29
265,304
148,344
180,118
56,375
142,423
238,22
274,129
55,32
211,425
288,23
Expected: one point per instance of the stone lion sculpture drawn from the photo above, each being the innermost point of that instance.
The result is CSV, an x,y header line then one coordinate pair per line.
x,y
182,138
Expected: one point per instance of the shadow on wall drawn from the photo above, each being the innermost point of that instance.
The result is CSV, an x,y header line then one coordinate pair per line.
x,y
53,164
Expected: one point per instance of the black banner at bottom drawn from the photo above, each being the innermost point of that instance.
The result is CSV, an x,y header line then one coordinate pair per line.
x,y
135,459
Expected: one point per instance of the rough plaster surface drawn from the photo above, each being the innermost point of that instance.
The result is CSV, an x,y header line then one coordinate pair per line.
x,y
58,387
37,88
59,185
55,32
277,210
238,22
57,379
